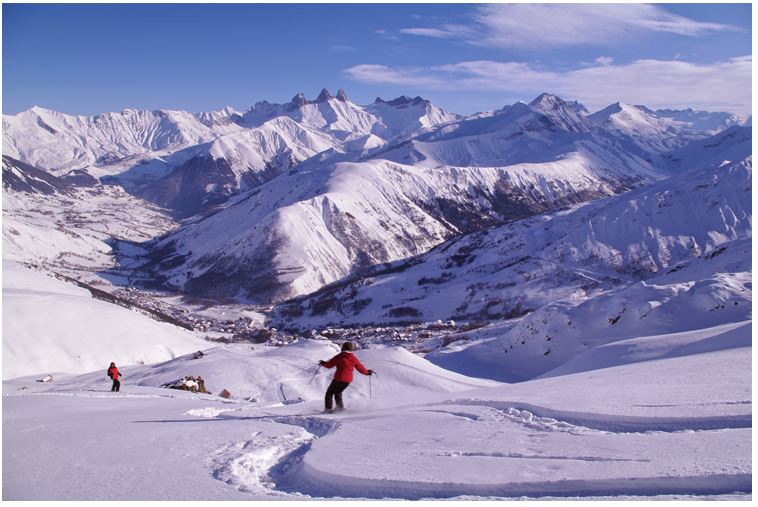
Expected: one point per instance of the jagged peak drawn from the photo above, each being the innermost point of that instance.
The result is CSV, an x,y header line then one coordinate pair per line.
x,y
299,100
405,100
324,96
341,95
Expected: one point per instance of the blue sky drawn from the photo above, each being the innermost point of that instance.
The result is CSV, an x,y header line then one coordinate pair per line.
x,y
90,58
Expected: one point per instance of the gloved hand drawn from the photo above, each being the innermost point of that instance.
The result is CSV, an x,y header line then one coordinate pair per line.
x,y
322,362
371,372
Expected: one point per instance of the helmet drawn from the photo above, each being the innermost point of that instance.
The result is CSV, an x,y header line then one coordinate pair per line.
x,y
348,346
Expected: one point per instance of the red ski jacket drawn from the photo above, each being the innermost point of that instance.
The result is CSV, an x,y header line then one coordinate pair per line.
x,y
345,362
113,373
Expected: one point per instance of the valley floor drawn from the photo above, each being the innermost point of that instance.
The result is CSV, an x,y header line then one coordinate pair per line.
x,y
664,424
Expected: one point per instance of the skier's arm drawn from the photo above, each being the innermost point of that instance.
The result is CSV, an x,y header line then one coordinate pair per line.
x,y
360,367
328,364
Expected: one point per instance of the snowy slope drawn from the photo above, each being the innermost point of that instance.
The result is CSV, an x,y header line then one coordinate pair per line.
x,y
78,333
731,145
508,271
232,162
655,133
657,428
47,220
21,177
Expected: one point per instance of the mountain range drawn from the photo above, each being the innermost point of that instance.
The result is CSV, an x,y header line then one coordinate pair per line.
x,y
282,200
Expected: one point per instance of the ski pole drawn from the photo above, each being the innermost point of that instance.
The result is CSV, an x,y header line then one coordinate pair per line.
x,y
314,375
370,395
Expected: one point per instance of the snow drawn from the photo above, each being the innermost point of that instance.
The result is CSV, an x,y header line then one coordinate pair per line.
x,y
602,349
654,252
425,433
77,228
319,222
78,333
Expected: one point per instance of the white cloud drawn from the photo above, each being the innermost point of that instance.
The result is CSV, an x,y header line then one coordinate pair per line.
x,y
428,32
556,25
399,76
604,60
721,86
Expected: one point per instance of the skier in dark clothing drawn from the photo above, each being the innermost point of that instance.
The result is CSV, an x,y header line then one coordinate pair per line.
x,y
345,361
114,374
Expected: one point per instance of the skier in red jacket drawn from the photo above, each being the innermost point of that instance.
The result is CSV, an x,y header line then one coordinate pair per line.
x,y
114,374
345,361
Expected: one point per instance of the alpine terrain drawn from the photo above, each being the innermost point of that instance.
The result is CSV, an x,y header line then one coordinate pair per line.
x,y
552,302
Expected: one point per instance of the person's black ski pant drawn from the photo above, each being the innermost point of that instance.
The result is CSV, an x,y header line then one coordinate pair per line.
x,y
116,386
335,391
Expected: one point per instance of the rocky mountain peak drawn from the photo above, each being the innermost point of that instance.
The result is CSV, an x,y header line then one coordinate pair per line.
x,y
299,100
324,96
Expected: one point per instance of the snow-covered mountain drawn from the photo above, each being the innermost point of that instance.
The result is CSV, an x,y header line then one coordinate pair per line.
x,y
681,225
21,177
58,142
730,145
318,224
188,162
662,131
705,121
658,134
346,121
291,197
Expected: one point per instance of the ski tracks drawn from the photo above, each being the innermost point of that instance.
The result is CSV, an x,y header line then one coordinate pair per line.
x,y
270,462
247,465
267,462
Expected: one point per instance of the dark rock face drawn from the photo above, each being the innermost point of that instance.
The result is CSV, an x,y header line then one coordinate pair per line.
x,y
341,95
324,96
404,101
79,178
298,100
193,187
22,177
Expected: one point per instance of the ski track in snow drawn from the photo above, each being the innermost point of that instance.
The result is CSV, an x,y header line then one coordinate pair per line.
x,y
247,465
265,463
273,464
573,422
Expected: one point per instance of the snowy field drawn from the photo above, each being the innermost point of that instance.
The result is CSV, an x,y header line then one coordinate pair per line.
x,y
666,417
